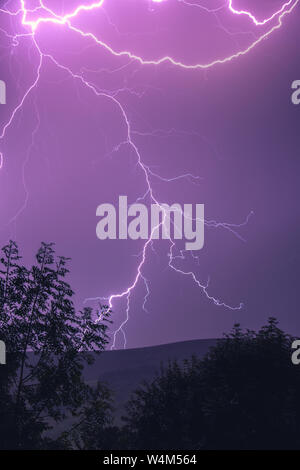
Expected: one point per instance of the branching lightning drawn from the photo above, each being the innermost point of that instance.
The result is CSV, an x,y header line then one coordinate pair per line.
x,y
43,15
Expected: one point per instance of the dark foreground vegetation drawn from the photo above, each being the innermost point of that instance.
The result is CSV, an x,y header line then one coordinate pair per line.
x,y
242,395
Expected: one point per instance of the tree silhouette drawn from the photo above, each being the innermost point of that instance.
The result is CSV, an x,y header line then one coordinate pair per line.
x,y
251,389
242,395
94,430
48,344
165,414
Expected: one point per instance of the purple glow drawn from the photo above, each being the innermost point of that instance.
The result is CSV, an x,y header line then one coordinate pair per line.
x,y
120,78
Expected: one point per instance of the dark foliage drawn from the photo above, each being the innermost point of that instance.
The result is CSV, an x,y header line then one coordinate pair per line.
x,y
48,344
242,395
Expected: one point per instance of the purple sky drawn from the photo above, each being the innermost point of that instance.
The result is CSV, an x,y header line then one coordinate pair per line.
x,y
233,125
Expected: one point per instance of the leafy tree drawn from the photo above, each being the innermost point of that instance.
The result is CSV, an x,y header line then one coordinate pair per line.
x,y
242,395
94,430
48,344
165,414
251,389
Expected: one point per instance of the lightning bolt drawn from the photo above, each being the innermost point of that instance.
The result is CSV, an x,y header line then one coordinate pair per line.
x,y
44,15
253,18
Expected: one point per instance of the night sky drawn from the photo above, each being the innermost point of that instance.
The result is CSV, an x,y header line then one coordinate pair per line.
x,y
232,125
